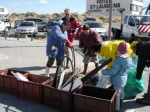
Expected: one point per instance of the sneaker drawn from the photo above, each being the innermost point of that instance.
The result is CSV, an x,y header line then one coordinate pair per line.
x,y
142,101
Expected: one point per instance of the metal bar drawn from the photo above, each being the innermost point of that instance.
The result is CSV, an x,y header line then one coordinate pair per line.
x,y
5,34
18,36
110,20
32,37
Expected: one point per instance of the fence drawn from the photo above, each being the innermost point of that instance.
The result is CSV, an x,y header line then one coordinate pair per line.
x,y
23,35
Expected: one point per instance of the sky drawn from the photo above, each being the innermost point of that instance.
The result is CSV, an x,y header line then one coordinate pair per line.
x,y
47,6
44,6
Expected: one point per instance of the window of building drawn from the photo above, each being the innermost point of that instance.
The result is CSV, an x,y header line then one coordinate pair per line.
x,y
139,0
140,8
133,7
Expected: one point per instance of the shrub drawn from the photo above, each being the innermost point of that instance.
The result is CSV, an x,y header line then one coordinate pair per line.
x,y
100,18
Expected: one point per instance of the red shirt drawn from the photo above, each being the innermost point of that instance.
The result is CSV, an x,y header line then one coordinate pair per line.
x,y
73,25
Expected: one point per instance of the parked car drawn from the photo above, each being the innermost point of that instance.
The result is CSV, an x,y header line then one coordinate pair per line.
x,y
89,18
27,27
95,25
17,22
52,22
41,23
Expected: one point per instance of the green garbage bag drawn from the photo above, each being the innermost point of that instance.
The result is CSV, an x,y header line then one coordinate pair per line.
x,y
133,86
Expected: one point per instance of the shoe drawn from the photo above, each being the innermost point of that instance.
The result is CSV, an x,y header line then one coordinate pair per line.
x,y
143,101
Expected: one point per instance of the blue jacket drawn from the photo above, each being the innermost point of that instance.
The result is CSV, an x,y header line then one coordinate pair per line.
x,y
118,72
57,39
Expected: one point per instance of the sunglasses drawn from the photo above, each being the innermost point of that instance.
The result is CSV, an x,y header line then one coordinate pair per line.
x,y
67,14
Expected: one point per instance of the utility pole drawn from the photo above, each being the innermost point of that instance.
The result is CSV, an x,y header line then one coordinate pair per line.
x,y
110,20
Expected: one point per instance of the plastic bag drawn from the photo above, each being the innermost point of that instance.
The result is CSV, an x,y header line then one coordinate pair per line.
x,y
103,80
133,85
19,76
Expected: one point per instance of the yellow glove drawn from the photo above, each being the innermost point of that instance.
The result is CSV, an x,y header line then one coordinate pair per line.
x,y
133,44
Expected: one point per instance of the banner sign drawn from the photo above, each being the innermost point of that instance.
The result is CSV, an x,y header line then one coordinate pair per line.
x,y
103,5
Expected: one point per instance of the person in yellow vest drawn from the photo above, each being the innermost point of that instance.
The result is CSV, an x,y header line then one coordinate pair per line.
x,y
108,49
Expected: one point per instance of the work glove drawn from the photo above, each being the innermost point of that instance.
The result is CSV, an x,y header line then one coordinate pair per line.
x,y
97,47
68,43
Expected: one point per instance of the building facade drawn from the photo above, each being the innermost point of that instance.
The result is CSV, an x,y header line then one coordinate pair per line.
x,y
102,6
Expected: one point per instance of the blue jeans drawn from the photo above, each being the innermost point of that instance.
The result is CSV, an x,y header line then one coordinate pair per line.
x,y
147,95
120,96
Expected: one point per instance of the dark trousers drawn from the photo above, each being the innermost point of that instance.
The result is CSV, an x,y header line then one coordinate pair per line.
x,y
51,60
147,96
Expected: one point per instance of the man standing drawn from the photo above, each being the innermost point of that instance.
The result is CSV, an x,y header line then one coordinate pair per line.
x,y
142,50
86,40
56,44
71,31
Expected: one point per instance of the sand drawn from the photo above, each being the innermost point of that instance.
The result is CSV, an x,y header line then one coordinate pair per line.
x,y
3,57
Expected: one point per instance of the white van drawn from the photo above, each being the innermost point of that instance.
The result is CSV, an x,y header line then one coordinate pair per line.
x,y
4,25
132,26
